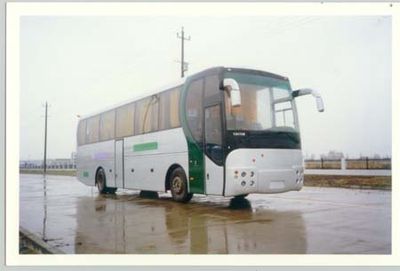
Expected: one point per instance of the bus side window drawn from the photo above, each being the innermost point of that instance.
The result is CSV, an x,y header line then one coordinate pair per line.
x,y
174,106
124,120
151,115
147,115
140,112
81,132
107,122
169,109
194,113
92,129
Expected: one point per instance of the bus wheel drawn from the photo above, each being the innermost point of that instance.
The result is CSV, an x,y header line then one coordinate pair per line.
x,y
241,196
178,186
148,194
101,183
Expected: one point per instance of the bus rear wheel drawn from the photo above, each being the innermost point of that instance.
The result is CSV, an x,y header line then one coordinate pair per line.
x,y
178,184
241,196
101,183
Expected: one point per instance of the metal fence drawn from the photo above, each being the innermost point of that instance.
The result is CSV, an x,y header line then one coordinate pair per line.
x,y
53,166
360,163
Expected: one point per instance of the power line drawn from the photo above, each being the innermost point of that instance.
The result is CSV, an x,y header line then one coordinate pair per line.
x,y
184,65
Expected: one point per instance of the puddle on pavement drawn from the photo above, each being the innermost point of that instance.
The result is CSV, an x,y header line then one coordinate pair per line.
x,y
131,224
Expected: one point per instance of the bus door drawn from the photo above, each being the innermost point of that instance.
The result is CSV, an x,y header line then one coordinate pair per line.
x,y
119,163
213,151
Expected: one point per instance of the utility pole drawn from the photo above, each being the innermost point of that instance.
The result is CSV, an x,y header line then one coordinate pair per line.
x,y
184,65
45,140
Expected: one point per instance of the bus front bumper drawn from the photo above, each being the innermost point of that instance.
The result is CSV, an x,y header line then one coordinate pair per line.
x,y
263,171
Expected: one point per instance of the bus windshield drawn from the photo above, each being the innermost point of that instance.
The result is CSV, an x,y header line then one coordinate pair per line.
x,y
266,104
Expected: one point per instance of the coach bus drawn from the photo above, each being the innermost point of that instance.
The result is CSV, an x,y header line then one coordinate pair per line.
x,y
222,131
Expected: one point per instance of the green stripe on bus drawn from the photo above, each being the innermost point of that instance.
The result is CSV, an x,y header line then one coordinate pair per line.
x,y
85,174
145,146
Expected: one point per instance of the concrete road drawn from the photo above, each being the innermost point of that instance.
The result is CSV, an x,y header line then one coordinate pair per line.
x,y
76,219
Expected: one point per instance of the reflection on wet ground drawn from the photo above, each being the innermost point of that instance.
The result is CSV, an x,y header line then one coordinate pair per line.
x,y
134,225
76,219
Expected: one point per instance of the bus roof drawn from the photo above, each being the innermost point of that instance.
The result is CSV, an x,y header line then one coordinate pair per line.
x,y
176,84
136,98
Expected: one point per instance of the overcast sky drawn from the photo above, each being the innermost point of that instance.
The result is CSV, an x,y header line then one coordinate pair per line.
x,y
83,64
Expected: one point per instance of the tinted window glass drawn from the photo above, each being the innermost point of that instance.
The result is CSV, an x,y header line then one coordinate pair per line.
x,y
194,106
174,113
92,129
211,86
147,115
124,120
107,124
151,121
213,132
169,109
81,132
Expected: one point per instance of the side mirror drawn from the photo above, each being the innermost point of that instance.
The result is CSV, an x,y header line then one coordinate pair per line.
x,y
307,91
232,87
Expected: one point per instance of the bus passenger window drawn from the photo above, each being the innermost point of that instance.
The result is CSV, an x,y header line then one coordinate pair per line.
x,y
151,115
81,132
141,107
169,109
124,120
194,112
147,115
174,105
92,129
107,121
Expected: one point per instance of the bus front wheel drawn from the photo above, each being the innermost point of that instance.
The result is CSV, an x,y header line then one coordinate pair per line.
x,y
178,184
101,183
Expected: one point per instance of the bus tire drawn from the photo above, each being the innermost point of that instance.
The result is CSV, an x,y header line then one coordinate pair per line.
x,y
101,183
148,194
178,184
241,196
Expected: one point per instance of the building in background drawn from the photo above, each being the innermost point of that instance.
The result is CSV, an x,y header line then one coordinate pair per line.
x,y
61,163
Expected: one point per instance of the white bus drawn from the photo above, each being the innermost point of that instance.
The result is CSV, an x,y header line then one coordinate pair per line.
x,y
223,131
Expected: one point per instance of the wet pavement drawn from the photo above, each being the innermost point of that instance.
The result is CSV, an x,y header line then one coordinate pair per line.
x,y
76,219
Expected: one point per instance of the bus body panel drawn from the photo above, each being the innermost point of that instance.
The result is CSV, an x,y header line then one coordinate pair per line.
x,y
263,171
214,177
149,156
90,157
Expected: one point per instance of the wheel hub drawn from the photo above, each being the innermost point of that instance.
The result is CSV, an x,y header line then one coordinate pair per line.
x,y
177,185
